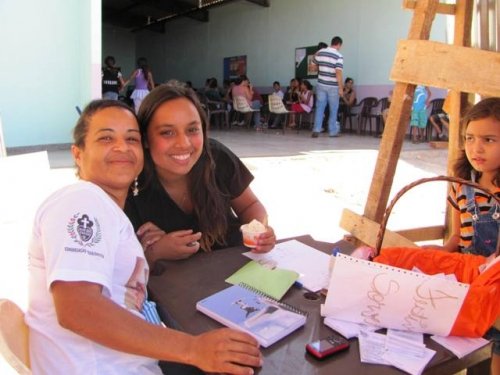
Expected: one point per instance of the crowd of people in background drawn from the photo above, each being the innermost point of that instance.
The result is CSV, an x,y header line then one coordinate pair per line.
x,y
330,102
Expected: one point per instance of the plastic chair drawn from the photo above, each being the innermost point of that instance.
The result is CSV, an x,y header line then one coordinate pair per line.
x,y
213,107
277,108
382,105
367,114
14,336
241,105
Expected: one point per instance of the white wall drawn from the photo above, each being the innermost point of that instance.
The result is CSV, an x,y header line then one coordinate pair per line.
x,y
190,50
46,68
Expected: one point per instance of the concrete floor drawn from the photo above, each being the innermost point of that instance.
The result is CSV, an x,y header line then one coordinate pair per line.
x,y
304,183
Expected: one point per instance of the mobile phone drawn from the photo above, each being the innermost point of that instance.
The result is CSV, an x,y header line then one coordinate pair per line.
x,y
327,346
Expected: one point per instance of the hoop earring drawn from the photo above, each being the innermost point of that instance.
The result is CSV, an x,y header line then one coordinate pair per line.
x,y
135,188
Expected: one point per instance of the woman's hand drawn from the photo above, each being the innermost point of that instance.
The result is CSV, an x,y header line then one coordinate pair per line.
x,y
157,244
225,351
266,241
148,234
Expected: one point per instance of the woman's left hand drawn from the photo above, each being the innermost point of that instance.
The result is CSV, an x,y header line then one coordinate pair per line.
x,y
266,241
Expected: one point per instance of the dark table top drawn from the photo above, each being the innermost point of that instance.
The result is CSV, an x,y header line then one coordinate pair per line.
x,y
176,286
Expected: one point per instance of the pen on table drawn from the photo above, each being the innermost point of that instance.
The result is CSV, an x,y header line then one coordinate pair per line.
x,y
298,284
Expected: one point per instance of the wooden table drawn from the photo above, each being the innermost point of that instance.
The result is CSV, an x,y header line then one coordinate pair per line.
x,y
176,286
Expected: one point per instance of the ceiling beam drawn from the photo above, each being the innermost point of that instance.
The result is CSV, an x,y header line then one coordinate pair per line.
x,y
199,15
264,3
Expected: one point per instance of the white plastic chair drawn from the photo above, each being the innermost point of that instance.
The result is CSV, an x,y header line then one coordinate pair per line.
x,y
241,105
14,337
277,107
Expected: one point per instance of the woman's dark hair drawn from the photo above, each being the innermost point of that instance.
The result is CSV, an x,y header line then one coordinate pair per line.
x,y
307,84
489,107
109,61
142,63
210,205
213,84
348,79
82,125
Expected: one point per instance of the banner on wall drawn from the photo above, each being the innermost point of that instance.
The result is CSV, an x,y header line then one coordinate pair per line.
x,y
234,67
304,68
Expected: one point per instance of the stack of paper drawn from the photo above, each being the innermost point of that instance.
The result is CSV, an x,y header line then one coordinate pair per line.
x,y
403,350
460,346
311,264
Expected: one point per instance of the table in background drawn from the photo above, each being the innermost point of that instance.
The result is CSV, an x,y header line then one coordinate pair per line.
x,y
176,286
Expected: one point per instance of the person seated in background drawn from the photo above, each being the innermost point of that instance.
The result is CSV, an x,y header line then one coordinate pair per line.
x,y
212,92
441,123
243,88
88,311
306,101
349,97
194,192
277,90
292,93
276,118
346,101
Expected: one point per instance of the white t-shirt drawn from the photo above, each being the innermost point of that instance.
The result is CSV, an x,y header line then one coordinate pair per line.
x,y
81,234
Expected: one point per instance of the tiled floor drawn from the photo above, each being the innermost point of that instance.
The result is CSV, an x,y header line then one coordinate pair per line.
x,y
304,183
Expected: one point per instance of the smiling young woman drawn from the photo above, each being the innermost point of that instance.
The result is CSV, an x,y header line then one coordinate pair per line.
x,y
194,192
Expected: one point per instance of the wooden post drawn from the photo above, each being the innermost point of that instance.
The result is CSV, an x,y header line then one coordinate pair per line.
x,y
397,121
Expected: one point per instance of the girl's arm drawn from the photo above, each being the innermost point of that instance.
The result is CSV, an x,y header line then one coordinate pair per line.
x,y
352,98
132,76
305,98
248,207
82,308
151,83
453,241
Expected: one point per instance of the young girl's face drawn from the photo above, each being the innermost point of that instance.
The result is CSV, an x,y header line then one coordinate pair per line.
x,y
482,144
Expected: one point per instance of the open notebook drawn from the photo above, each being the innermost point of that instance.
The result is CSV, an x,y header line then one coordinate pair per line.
x,y
248,310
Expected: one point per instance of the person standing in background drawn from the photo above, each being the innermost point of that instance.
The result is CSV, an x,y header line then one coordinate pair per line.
x,y
330,86
143,82
112,81
418,121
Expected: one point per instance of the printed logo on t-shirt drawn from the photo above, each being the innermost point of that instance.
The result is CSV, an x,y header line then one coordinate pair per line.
x,y
83,230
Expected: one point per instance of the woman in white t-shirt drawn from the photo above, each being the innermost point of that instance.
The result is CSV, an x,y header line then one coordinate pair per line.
x,y
88,275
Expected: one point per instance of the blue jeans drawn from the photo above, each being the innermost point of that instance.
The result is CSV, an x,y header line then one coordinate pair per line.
x,y
326,94
256,115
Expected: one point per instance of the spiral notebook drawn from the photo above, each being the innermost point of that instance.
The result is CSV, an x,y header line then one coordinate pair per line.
x,y
246,309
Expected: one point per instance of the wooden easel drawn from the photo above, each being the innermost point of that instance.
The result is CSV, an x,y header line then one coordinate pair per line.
x,y
457,67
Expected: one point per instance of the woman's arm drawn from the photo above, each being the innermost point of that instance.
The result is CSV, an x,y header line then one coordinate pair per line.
x,y
81,308
248,207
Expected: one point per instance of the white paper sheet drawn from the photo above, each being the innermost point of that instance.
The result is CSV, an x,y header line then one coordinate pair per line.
x,y
310,263
376,294
460,346
394,349
347,329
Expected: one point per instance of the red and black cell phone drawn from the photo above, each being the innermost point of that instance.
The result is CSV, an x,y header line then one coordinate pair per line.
x,y
323,348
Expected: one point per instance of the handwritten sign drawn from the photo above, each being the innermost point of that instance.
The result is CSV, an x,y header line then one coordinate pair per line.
x,y
384,296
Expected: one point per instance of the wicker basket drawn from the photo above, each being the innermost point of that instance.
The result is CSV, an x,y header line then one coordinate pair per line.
x,y
385,218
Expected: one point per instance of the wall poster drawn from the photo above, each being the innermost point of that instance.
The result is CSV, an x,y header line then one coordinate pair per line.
x,y
235,66
303,62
